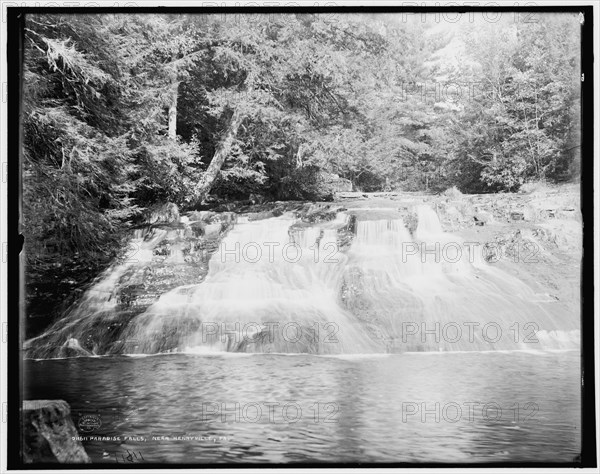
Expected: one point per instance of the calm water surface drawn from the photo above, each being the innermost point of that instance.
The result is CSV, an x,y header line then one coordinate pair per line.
x,y
440,407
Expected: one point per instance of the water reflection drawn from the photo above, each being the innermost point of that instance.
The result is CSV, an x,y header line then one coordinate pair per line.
x,y
386,408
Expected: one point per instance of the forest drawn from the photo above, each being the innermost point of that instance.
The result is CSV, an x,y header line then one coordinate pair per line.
x,y
126,112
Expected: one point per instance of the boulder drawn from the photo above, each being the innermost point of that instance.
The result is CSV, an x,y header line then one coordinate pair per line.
x,y
452,193
197,227
49,434
482,217
72,348
167,213
334,182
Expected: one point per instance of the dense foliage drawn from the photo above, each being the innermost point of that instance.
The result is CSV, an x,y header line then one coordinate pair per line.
x,y
123,112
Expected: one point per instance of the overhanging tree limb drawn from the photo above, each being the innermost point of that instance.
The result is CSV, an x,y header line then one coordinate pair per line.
x,y
208,178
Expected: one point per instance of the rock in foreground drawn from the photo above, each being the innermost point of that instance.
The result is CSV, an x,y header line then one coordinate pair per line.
x,y
48,433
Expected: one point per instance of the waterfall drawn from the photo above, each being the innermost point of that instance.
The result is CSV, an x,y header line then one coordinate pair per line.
x,y
429,223
284,286
269,289
97,311
431,292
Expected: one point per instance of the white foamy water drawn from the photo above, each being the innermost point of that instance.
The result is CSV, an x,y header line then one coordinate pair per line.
x,y
430,292
282,286
98,305
269,289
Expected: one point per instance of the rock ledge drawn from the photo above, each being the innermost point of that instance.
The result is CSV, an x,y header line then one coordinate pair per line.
x,y
49,434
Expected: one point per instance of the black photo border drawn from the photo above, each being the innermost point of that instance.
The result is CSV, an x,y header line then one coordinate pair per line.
x,y
15,272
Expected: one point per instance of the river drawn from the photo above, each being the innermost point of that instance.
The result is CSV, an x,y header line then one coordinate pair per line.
x,y
405,346
500,406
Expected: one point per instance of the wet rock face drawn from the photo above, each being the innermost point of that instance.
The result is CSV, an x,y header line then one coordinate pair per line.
x,y
180,257
48,433
347,233
410,218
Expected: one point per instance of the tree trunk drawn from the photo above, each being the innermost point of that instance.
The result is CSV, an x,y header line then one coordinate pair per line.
x,y
173,112
208,178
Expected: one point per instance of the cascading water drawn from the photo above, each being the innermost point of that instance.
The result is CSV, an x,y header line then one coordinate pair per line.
x,y
280,285
434,293
97,310
269,289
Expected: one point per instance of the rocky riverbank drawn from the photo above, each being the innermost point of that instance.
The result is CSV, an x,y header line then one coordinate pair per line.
x,y
536,236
